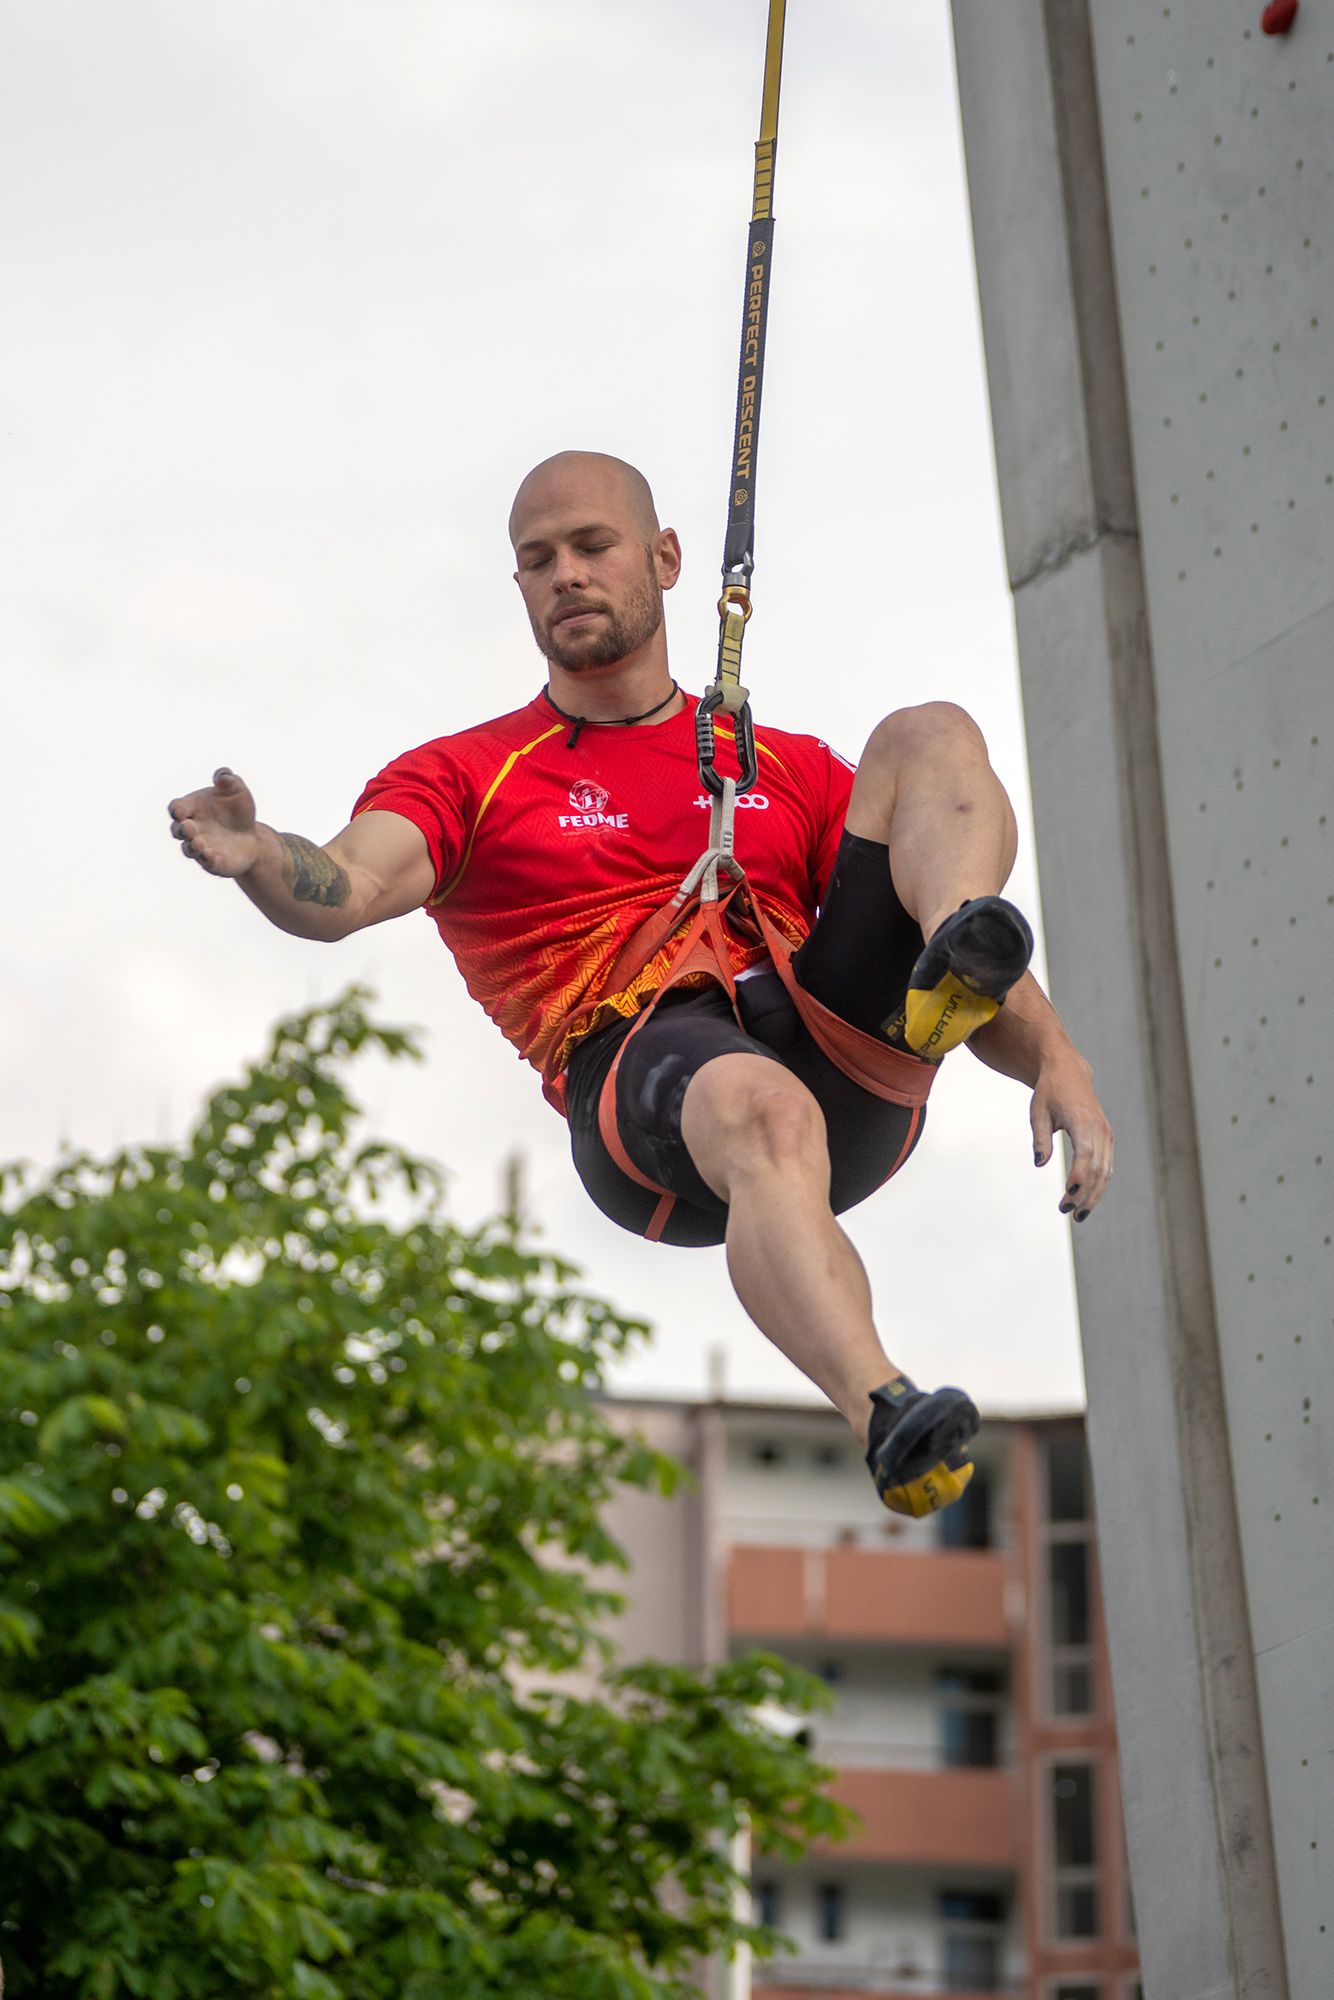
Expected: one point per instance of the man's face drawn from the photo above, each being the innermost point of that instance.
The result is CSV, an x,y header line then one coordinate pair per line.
x,y
591,571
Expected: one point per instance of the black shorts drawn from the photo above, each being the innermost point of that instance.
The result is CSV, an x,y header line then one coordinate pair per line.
x,y
857,961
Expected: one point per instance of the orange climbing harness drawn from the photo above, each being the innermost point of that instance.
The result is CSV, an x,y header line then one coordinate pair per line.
x,y
700,912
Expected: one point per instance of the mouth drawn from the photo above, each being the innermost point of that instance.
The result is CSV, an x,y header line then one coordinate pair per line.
x,y
580,617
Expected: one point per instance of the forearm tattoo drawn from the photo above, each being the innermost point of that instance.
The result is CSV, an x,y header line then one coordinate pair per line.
x,y
312,875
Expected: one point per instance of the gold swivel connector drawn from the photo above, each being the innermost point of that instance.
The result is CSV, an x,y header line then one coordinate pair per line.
x,y
733,609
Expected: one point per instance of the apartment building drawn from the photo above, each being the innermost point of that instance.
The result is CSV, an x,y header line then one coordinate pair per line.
x,y
971,1726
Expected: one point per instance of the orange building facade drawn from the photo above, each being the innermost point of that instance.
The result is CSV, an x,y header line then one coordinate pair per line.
x,y
971,1725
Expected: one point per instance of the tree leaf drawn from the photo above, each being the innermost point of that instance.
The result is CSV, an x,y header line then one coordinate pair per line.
x,y
77,1418
286,1701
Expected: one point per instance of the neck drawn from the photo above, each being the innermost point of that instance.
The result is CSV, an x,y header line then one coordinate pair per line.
x,y
656,712
625,687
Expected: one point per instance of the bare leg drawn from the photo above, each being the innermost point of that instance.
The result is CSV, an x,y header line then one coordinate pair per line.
x,y
926,789
758,1138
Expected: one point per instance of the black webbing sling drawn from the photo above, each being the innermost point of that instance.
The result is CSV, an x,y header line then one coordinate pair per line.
x,y
727,693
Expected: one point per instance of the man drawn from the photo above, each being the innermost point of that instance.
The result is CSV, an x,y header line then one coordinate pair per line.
x,y
542,841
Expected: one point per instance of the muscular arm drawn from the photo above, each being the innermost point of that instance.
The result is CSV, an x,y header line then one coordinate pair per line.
x,y
376,868
1027,1032
1028,1041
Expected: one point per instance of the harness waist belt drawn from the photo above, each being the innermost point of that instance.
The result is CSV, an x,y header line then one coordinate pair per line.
x,y
888,1073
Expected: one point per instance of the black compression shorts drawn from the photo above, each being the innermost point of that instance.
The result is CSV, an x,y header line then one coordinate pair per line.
x,y
857,961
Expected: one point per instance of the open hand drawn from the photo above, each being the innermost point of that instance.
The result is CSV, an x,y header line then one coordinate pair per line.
x,y
1064,1100
216,827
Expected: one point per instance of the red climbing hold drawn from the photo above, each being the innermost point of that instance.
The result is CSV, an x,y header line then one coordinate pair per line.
x,y
1278,16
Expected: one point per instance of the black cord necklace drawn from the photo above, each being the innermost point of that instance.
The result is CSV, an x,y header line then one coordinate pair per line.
x,y
599,722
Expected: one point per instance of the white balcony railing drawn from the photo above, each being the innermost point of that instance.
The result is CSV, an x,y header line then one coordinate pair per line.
x,y
862,1975
865,1530
871,1753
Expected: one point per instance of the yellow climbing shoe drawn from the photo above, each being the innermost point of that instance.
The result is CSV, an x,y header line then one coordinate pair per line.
x,y
918,1447
963,975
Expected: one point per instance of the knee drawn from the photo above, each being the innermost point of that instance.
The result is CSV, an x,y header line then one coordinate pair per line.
x,y
930,729
774,1126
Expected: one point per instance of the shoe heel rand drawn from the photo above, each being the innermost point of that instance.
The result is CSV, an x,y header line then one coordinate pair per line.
x,y
930,1491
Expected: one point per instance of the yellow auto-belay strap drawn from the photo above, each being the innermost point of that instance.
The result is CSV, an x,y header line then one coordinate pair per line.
x,y
727,695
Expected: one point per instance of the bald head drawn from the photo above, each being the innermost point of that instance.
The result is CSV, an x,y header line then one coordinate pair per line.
x,y
592,564
593,483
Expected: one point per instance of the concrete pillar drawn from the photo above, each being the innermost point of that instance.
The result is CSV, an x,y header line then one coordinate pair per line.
x,y
1139,176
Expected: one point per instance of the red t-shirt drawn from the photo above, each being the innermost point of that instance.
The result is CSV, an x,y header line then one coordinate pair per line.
x,y
547,858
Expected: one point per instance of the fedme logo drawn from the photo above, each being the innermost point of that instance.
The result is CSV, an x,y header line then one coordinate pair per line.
x,y
590,807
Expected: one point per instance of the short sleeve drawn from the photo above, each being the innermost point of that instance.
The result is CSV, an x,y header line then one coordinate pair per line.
x,y
428,787
837,776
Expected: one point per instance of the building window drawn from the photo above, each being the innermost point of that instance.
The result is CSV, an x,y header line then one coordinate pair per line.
x,y
829,1913
1077,1910
1067,1477
1067,1587
967,1524
830,1672
1070,1626
767,1903
829,1458
969,1717
767,1453
1071,1687
1068,1593
1079,1990
972,1939
1069,1569
1074,1854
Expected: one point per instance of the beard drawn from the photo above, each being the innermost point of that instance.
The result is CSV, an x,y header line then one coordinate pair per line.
x,y
621,632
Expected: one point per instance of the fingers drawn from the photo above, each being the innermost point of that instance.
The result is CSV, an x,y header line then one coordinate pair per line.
x,y
1070,1105
190,818
198,819
190,804
215,826
225,784
1091,1165
191,835
184,826
1040,1118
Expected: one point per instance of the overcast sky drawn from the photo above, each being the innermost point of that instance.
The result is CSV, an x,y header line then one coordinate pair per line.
x,y
295,294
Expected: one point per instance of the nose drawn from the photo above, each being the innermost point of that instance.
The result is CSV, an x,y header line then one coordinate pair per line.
x,y
569,571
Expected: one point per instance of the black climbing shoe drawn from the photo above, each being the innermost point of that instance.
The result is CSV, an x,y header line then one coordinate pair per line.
x,y
919,1441
964,974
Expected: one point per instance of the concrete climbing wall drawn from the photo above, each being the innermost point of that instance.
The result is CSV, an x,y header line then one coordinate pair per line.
x,y
1219,148
1153,195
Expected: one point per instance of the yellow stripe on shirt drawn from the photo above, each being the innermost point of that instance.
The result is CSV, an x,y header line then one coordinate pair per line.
x,y
492,789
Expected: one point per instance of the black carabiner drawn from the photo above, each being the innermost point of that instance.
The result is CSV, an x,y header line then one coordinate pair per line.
x,y
706,745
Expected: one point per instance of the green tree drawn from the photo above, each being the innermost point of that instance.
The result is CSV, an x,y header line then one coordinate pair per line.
x,y
300,1496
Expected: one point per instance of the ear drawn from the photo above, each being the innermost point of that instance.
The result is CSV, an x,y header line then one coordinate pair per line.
x,y
667,557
